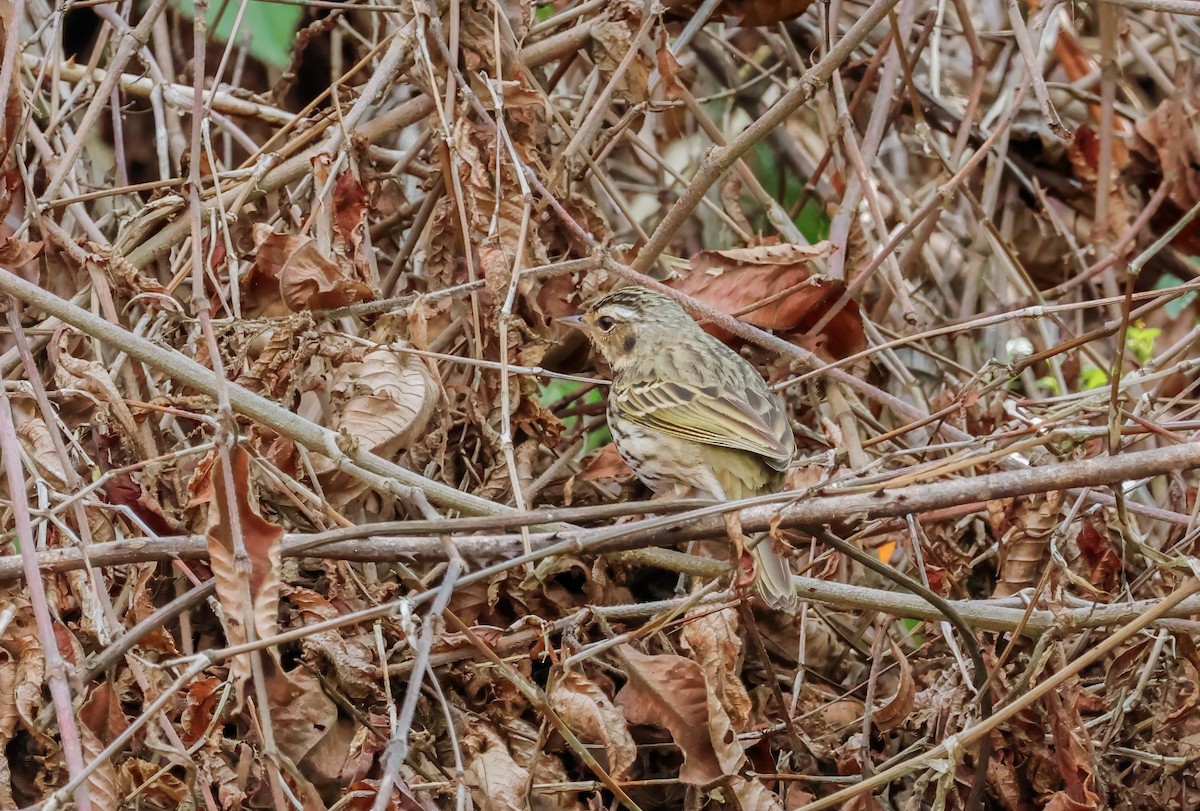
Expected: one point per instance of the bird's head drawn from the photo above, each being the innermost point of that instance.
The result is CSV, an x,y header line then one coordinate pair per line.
x,y
632,320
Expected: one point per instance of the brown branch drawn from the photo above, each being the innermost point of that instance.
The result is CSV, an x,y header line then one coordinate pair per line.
x,y
244,402
721,159
758,515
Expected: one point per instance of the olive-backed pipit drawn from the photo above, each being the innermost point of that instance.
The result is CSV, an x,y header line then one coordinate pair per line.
x,y
688,414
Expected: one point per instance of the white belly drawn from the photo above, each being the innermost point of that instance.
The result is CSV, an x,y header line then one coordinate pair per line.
x,y
668,465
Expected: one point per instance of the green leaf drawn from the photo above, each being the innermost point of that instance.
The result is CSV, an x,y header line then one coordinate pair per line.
x,y
555,390
269,28
1092,378
1141,342
1176,306
597,438
811,219
1050,384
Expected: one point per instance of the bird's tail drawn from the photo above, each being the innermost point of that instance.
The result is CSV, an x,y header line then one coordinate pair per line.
x,y
774,577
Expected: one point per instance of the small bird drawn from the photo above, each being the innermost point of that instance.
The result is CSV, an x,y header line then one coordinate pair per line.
x,y
688,414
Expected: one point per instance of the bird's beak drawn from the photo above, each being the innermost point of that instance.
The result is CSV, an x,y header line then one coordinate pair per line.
x,y
575,321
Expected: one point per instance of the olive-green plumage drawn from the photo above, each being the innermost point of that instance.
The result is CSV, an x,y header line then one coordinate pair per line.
x,y
690,415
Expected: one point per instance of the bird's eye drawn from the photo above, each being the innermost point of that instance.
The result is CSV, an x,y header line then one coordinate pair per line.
x,y
605,323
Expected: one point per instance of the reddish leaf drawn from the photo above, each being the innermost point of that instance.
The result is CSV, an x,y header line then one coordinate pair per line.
x,y
261,540
671,692
771,287
15,252
202,698
897,710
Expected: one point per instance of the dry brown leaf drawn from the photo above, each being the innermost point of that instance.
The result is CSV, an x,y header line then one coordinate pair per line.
x,y
611,40
94,378
349,217
896,711
15,252
262,541
301,711
159,789
214,770
603,464
593,717
203,696
1170,138
1025,547
291,274
545,767
142,578
125,491
349,662
668,68
752,795
713,638
29,677
671,692
383,403
35,436
738,281
497,782
1098,561
101,721
10,175
1084,154
749,13
1074,764
9,715
309,280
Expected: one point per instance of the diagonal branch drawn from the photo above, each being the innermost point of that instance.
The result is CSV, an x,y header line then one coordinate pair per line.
x,y
181,368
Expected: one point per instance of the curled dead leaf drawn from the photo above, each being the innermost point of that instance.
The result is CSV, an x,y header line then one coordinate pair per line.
x,y
94,378
611,40
262,541
291,274
497,782
595,719
605,463
772,287
671,692
1169,138
35,436
712,636
900,706
15,252
383,402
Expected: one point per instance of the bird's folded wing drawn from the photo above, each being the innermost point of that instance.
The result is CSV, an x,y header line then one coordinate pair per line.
x,y
712,415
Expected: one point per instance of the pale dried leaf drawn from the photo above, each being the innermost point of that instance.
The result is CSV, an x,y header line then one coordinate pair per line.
x,y
101,720
383,402
40,445
30,675
713,638
752,795
301,711
92,377
497,782
15,252
9,714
